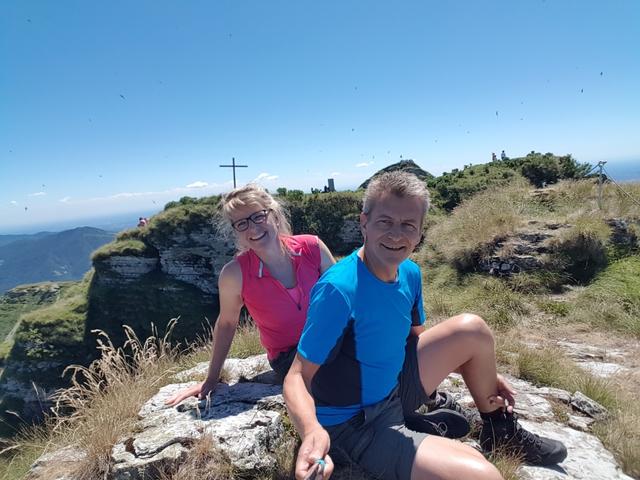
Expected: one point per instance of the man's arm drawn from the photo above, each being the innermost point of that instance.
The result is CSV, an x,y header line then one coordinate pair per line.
x,y
301,407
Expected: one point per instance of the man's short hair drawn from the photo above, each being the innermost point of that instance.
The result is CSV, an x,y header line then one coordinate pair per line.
x,y
401,184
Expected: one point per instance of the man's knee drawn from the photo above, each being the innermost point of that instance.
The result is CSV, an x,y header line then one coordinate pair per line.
x,y
472,325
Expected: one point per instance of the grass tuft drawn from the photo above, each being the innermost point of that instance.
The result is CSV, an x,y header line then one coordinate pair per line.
x,y
612,301
104,398
204,461
507,464
246,342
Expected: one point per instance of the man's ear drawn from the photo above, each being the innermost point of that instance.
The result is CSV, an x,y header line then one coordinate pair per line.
x,y
363,224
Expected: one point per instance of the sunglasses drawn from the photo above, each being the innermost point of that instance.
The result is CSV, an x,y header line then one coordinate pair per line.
x,y
257,217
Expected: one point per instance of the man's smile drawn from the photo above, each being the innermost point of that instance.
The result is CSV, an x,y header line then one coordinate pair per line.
x,y
393,249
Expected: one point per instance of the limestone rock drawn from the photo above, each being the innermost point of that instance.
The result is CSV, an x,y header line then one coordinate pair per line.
x,y
244,420
252,369
58,465
580,423
350,234
603,369
586,459
581,402
129,268
195,257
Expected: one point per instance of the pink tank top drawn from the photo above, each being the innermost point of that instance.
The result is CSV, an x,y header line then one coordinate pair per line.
x,y
279,313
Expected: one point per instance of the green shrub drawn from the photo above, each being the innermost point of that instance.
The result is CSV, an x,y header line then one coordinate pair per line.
x,y
323,214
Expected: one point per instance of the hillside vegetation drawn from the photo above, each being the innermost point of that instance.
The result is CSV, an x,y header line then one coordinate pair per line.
x,y
475,216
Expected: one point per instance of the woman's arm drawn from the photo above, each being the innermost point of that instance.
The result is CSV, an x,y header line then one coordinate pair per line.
x,y
230,288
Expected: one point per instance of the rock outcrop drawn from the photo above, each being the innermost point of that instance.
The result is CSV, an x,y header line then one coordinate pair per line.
x,y
538,246
245,420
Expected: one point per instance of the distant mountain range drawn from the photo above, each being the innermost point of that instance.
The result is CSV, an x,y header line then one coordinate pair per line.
x,y
47,256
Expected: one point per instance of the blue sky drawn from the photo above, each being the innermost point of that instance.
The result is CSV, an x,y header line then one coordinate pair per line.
x,y
116,106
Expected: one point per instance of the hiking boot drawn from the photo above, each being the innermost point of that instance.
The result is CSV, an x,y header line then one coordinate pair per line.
x,y
444,400
443,423
502,432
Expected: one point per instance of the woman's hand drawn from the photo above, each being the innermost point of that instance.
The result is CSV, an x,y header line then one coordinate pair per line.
x,y
200,390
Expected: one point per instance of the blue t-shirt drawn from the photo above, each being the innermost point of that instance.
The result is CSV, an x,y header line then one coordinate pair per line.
x,y
356,330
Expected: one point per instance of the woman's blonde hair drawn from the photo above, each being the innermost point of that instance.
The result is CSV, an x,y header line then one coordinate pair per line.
x,y
251,194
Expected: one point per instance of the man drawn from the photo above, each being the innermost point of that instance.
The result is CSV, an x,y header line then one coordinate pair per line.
x,y
364,321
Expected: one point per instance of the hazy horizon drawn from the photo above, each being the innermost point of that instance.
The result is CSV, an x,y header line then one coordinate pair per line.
x,y
621,171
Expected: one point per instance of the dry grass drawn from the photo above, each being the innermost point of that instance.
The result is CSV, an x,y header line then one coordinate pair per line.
x,y
491,298
102,404
572,199
246,342
204,461
99,407
470,232
16,458
621,434
507,464
104,398
549,366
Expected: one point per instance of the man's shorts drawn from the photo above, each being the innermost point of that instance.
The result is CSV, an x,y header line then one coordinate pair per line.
x,y
376,439
282,363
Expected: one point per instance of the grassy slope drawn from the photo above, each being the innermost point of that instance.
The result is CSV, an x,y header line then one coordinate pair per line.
x,y
24,299
610,302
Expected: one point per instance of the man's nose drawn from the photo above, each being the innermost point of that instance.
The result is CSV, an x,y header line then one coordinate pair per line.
x,y
395,231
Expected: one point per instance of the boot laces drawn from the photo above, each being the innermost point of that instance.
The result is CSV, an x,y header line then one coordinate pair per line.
x,y
521,435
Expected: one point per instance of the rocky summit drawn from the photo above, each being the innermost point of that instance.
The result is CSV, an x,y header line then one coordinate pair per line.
x,y
246,418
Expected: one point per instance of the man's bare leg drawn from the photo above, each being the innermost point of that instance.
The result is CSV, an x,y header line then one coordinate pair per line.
x,y
463,343
443,459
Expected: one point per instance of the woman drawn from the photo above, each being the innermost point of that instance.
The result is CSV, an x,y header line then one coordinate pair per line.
x,y
272,275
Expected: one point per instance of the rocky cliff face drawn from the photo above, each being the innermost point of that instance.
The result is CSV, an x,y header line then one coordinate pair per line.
x,y
176,277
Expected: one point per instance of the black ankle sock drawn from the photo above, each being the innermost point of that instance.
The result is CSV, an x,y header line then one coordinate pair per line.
x,y
495,415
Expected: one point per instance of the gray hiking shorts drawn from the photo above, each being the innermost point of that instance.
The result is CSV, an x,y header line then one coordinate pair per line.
x,y
376,439
282,363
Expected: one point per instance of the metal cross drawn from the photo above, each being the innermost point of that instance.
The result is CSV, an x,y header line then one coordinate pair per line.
x,y
234,166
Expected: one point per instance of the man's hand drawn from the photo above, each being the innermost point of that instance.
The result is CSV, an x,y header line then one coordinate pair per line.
x,y
506,394
315,446
200,390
